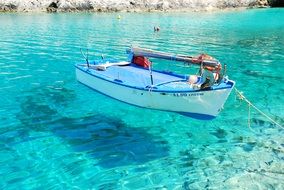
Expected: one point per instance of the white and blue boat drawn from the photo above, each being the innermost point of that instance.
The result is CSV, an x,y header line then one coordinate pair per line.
x,y
134,82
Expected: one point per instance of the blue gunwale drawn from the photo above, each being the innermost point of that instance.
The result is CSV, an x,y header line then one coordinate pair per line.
x,y
230,83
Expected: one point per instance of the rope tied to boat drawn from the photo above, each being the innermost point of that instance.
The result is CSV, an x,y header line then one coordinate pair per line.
x,y
243,98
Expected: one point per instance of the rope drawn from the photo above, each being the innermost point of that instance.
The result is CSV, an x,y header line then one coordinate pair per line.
x,y
242,97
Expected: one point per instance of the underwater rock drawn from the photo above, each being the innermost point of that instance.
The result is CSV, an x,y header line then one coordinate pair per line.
x,y
248,147
220,133
258,122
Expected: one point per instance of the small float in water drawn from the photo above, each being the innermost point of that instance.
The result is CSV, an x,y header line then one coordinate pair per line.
x,y
134,82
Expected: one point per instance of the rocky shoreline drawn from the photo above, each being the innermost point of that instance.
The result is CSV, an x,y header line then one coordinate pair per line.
x,y
128,5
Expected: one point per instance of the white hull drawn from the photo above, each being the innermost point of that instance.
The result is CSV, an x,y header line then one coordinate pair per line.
x,y
198,104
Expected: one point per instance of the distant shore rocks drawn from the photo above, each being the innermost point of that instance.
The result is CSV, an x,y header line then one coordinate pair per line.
x,y
129,5
276,3
8,7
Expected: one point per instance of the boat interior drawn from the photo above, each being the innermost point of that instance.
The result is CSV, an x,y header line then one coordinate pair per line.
x,y
129,74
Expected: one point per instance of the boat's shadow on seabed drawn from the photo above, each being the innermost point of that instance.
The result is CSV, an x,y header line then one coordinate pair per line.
x,y
107,140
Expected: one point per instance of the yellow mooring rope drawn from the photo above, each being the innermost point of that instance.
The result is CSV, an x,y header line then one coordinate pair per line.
x,y
242,97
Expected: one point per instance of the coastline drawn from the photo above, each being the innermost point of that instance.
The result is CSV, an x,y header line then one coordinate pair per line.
x,y
51,6
174,10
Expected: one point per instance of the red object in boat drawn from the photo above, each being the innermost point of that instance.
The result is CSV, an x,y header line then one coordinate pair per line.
x,y
141,61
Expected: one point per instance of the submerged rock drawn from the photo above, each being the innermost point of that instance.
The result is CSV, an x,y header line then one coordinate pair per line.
x,y
220,133
127,5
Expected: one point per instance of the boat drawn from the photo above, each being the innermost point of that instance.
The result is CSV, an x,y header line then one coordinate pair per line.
x,y
134,81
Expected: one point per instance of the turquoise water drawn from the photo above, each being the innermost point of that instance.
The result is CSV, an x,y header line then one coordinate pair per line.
x,y
58,134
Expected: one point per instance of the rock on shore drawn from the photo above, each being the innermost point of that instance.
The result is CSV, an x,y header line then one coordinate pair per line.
x,y
276,3
125,5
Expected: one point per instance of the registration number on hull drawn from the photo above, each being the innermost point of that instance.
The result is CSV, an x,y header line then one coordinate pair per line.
x,y
187,94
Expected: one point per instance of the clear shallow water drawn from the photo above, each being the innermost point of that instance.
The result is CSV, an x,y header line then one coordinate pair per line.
x,y
58,134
